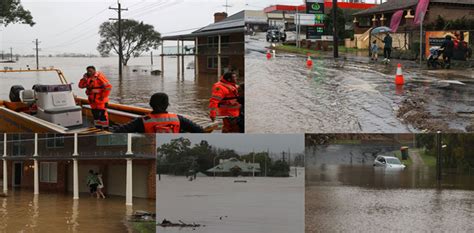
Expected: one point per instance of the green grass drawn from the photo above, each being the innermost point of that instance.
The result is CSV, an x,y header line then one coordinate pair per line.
x,y
429,160
398,154
144,227
294,49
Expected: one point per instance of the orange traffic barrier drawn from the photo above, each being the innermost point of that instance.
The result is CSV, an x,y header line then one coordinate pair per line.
x,y
399,80
309,62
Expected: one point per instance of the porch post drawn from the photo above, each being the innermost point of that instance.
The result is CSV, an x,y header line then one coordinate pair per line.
x,y
129,144
219,68
35,167
75,171
196,59
177,56
5,173
182,58
162,59
129,191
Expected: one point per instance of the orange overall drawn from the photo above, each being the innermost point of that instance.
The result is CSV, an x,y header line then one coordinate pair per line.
x,y
224,103
97,90
161,123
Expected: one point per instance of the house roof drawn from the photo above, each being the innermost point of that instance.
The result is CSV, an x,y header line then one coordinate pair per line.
x,y
231,24
227,165
394,5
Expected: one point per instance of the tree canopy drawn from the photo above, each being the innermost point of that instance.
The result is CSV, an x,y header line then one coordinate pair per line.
x,y
11,11
137,38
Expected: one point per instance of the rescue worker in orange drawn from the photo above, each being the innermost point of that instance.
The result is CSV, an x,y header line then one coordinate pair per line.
x,y
98,90
159,120
224,102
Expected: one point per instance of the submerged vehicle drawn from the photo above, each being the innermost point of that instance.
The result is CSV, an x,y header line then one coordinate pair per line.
x,y
275,35
388,162
55,109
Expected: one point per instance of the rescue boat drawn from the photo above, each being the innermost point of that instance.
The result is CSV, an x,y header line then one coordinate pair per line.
x,y
55,109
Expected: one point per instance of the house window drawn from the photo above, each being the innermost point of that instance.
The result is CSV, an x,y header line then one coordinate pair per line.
x,y
54,141
213,41
212,62
19,148
112,140
48,172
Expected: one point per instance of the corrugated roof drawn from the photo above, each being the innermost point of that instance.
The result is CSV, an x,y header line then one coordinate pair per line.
x,y
234,21
227,165
393,5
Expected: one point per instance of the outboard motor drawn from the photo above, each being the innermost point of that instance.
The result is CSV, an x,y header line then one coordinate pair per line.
x,y
15,93
56,104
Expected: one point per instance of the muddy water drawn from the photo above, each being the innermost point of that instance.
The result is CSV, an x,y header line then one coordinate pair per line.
x,y
260,205
344,194
188,96
21,211
341,96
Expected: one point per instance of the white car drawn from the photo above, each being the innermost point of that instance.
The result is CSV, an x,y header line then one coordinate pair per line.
x,y
388,162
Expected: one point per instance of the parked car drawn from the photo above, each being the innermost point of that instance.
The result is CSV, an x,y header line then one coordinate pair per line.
x,y
275,35
388,162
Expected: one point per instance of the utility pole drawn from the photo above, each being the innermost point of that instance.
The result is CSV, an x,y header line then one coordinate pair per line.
x,y
151,57
3,55
226,6
11,54
334,23
119,10
37,49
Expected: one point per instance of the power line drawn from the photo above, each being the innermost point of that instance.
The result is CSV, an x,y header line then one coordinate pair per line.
x,y
119,10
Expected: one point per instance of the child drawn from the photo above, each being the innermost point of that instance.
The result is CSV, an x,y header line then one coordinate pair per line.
x,y
374,49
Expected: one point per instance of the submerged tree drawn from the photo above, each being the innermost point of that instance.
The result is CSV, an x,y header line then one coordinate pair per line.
x,y
137,38
11,11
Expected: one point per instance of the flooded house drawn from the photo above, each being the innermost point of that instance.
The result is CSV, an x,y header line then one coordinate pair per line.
x,y
218,47
50,163
235,167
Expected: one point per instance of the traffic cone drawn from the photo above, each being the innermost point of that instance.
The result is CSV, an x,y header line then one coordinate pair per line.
x,y
269,55
399,80
309,62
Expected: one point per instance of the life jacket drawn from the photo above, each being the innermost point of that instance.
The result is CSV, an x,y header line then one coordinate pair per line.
x,y
97,90
224,99
161,123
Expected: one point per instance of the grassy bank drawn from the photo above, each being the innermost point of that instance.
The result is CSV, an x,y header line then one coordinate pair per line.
x,y
144,227
398,154
429,160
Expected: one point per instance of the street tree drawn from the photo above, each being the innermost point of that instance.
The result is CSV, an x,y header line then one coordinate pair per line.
x,y
11,11
137,38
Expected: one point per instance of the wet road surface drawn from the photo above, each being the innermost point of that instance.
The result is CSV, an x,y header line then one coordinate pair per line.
x,y
340,96
260,205
21,211
344,194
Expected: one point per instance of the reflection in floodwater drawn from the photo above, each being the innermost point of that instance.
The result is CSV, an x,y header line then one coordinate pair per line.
x,y
188,95
22,211
262,204
344,194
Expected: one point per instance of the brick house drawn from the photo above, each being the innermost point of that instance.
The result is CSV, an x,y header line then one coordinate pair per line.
x,y
111,155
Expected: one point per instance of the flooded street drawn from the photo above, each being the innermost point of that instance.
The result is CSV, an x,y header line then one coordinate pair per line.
x,y
188,96
259,205
347,96
22,211
345,192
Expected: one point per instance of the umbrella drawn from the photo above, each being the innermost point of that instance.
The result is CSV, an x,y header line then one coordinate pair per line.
x,y
379,30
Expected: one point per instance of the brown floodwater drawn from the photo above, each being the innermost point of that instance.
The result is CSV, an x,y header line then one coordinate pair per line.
x,y
22,211
262,204
188,95
344,192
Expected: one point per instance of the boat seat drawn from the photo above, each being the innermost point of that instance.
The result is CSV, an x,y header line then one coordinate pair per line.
x,y
28,96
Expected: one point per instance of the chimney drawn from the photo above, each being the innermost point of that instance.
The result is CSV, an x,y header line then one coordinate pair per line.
x,y
219,16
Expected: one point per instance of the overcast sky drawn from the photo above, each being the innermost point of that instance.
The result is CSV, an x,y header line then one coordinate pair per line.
x,y
72,25
244,142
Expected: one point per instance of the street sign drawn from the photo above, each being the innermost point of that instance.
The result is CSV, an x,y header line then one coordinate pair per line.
x,y
315,8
